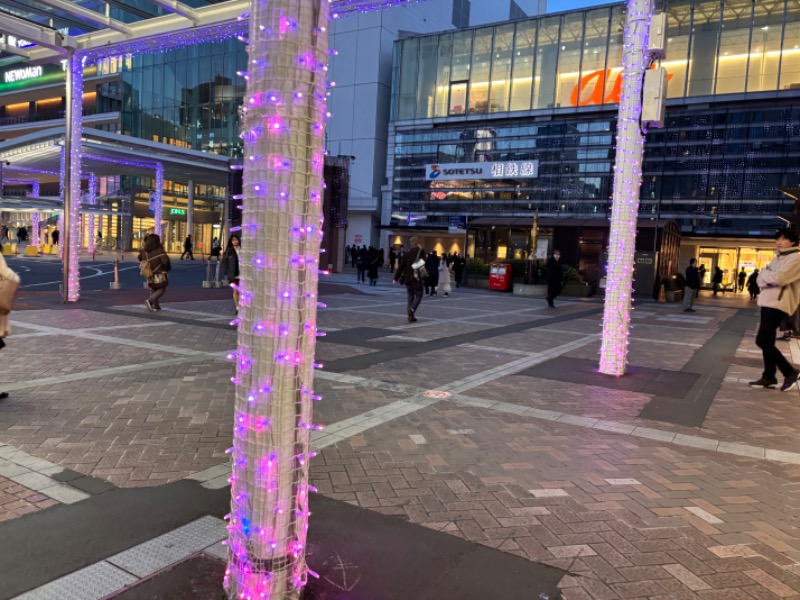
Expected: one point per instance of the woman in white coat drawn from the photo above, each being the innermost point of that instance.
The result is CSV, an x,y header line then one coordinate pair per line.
x,y
445,277
5,325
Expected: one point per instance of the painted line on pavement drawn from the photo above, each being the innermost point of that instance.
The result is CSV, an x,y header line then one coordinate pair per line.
x,y
148,366
36,474
116,573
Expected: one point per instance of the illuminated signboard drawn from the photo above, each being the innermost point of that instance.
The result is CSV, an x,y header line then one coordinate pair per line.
x,y
518,169
22,74
177,211
591,88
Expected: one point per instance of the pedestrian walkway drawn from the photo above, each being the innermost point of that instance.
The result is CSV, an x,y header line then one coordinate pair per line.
x,y
486,421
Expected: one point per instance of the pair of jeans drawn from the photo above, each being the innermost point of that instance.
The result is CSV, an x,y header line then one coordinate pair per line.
x,y
688,297
415,290
155,295
765,339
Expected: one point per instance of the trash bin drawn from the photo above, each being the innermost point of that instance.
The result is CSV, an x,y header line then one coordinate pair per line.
x,y
500,277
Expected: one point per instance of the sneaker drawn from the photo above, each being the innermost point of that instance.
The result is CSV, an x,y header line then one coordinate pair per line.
x,y
765,383
790,381
411,317
149,306
3,395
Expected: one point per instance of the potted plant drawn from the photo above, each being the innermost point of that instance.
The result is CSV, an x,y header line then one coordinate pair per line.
x,y
673,287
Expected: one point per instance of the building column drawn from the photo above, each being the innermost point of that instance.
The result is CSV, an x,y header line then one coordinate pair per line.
x,y
190,212
625,200
71,234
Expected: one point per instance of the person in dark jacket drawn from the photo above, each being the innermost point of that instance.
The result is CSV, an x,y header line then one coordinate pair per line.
x,y
188,246
373,264
742,277
692,284
752,285
458,268
716,280
555,278
153,252
432,280
55,235
230,266
406,273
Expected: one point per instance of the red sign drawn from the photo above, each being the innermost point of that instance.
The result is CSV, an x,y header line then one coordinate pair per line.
x,y
358,238
596,82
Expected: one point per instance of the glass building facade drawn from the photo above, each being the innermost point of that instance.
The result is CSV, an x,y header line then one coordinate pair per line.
x,y
547,89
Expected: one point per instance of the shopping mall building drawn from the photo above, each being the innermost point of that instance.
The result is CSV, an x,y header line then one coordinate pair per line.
x,y
492,124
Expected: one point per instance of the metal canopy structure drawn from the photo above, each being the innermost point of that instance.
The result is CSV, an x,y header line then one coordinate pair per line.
x,y
105,153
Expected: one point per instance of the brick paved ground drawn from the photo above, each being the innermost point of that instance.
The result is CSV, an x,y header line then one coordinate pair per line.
x,y
526,461
17,500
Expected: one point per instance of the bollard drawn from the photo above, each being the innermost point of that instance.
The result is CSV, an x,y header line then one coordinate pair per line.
x,y
217,282
115,285
208,283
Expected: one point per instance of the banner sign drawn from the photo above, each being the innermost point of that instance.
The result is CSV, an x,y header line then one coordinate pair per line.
x,y
518,169
457,224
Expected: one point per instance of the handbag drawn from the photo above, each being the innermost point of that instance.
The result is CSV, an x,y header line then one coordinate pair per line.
x,y
420,272
158,280
8,290
145,270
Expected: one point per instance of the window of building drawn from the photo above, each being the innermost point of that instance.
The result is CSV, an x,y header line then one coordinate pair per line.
x,y
544,82
407,93
732,57
458,97
444,58
765,55
480,71
522,70
790,58
426,83
569,58
501,68
705,40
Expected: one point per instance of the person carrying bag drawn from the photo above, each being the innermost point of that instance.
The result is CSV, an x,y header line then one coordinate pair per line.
x,y
154,264
9,284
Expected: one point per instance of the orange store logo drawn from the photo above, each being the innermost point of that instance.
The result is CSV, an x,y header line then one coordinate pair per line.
x,y
595,85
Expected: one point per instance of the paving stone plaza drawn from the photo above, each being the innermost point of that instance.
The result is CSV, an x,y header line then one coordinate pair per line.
x,y
486,420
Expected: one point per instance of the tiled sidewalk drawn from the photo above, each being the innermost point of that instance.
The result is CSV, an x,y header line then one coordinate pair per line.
x,y
508,451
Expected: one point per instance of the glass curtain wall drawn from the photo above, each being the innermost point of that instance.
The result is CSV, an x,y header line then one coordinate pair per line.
x,y
573,59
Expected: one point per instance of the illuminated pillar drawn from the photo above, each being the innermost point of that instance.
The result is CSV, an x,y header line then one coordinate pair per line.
x,y
158,205
190,212
91,200
627,181
72,177
283,131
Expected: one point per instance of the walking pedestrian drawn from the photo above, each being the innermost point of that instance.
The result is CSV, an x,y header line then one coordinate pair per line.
x,y
362,256
742,278
6,275
752,285
392,259
716,280
55,235
432,280
158,261
555,277
445,276
408,272
22,235
692,284
216,248
374,260
780,297
230,266
459,265
188,246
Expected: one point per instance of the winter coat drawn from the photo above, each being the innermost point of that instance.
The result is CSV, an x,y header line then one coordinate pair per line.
x,y
230,264
445,277
780,281
432,264
158,260
555,277
405,272
374,265
6,273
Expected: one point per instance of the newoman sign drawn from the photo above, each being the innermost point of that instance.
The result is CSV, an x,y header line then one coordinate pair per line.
x,y
591,89
523,169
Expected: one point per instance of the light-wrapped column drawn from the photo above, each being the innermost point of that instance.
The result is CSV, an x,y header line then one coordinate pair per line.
x,y
627,181
91,200
283,131
158,205
72,177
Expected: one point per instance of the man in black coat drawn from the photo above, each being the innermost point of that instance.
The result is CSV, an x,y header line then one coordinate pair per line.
x,y
555,277
406,273
692,285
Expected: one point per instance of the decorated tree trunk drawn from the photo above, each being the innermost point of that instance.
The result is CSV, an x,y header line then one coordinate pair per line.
x,y
627,181
283,130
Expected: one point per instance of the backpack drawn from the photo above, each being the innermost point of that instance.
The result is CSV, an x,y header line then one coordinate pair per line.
x,y
145,270
420,272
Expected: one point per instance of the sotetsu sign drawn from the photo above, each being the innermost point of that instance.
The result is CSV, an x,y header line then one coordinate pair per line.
x,y
522,169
